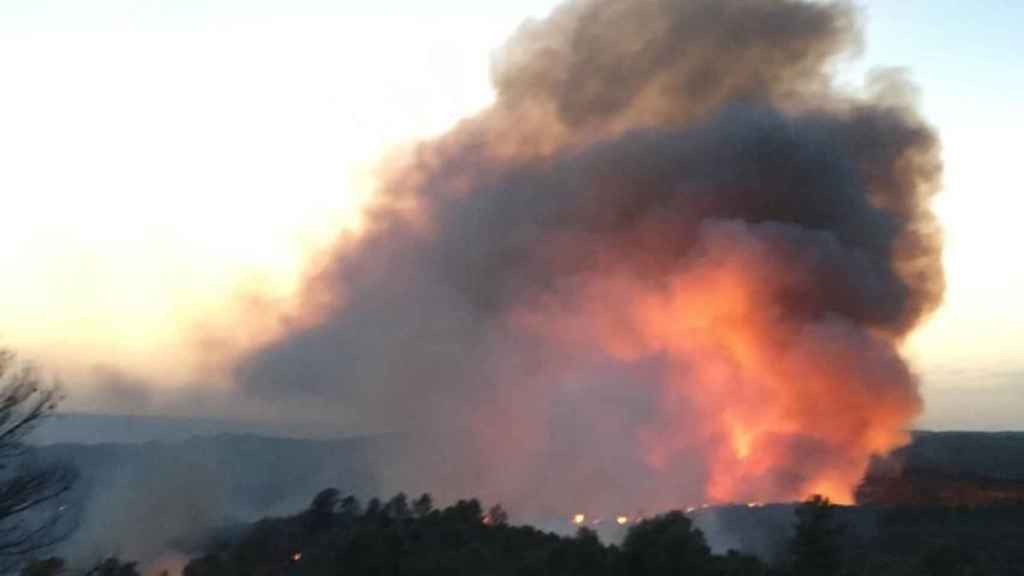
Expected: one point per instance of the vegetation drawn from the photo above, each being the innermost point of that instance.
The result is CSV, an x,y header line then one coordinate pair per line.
x,y
339,535
958,529
336,535
333,536
54,566
816,546
33,514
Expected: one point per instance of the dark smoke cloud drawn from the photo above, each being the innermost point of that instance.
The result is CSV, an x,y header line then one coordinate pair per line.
x,y
669,61
487,312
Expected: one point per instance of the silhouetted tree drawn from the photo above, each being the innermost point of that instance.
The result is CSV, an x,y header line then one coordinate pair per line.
x,y
465,511
373,508
321,510
350,507
589,554
325,502
816,546
423,506
113,567
52,566
496,515
33,515
461,540
398,507
668,544
735,564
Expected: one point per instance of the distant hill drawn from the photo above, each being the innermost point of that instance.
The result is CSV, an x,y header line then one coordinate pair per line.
x,y
951,468
134,499
982,454
82,428
179,478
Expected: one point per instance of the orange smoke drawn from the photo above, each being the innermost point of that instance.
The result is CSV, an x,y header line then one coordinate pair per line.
x,y
784,407
671,262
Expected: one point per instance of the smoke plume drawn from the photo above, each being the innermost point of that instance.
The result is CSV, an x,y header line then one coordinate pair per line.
x,y
671,264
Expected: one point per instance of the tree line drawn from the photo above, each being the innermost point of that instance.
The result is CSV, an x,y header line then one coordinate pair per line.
x,y
339,534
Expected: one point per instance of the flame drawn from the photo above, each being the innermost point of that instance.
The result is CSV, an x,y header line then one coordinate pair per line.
x,y
753,265
783,408
622,520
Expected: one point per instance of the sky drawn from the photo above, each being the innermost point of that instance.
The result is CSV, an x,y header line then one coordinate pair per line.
x,y
160,160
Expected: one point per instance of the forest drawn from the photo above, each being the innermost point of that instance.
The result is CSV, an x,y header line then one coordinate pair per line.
x,y
340,535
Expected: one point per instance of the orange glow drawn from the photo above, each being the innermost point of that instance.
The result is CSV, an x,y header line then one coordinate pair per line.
x,y
784,408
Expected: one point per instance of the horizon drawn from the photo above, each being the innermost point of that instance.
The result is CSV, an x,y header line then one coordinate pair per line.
x,y
746,267
121,305
75,431
558,287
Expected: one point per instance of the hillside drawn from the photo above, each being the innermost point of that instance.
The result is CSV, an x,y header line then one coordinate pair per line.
x,y
178,489
951,468
181,488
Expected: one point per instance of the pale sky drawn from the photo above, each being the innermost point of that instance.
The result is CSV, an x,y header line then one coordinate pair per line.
x,y
159,157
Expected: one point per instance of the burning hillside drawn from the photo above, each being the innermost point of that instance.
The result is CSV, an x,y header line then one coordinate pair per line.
x,y
949,468
671,263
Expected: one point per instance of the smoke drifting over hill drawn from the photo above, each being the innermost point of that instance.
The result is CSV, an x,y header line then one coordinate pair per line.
x,y
671,264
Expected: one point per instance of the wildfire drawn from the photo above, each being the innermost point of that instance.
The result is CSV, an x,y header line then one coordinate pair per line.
x,y
757,384
750,255
622,520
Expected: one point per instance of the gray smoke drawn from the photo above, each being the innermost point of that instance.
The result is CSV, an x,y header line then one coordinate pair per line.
x,y
496,313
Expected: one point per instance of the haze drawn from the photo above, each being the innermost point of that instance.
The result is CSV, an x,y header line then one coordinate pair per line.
x,y
157,162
